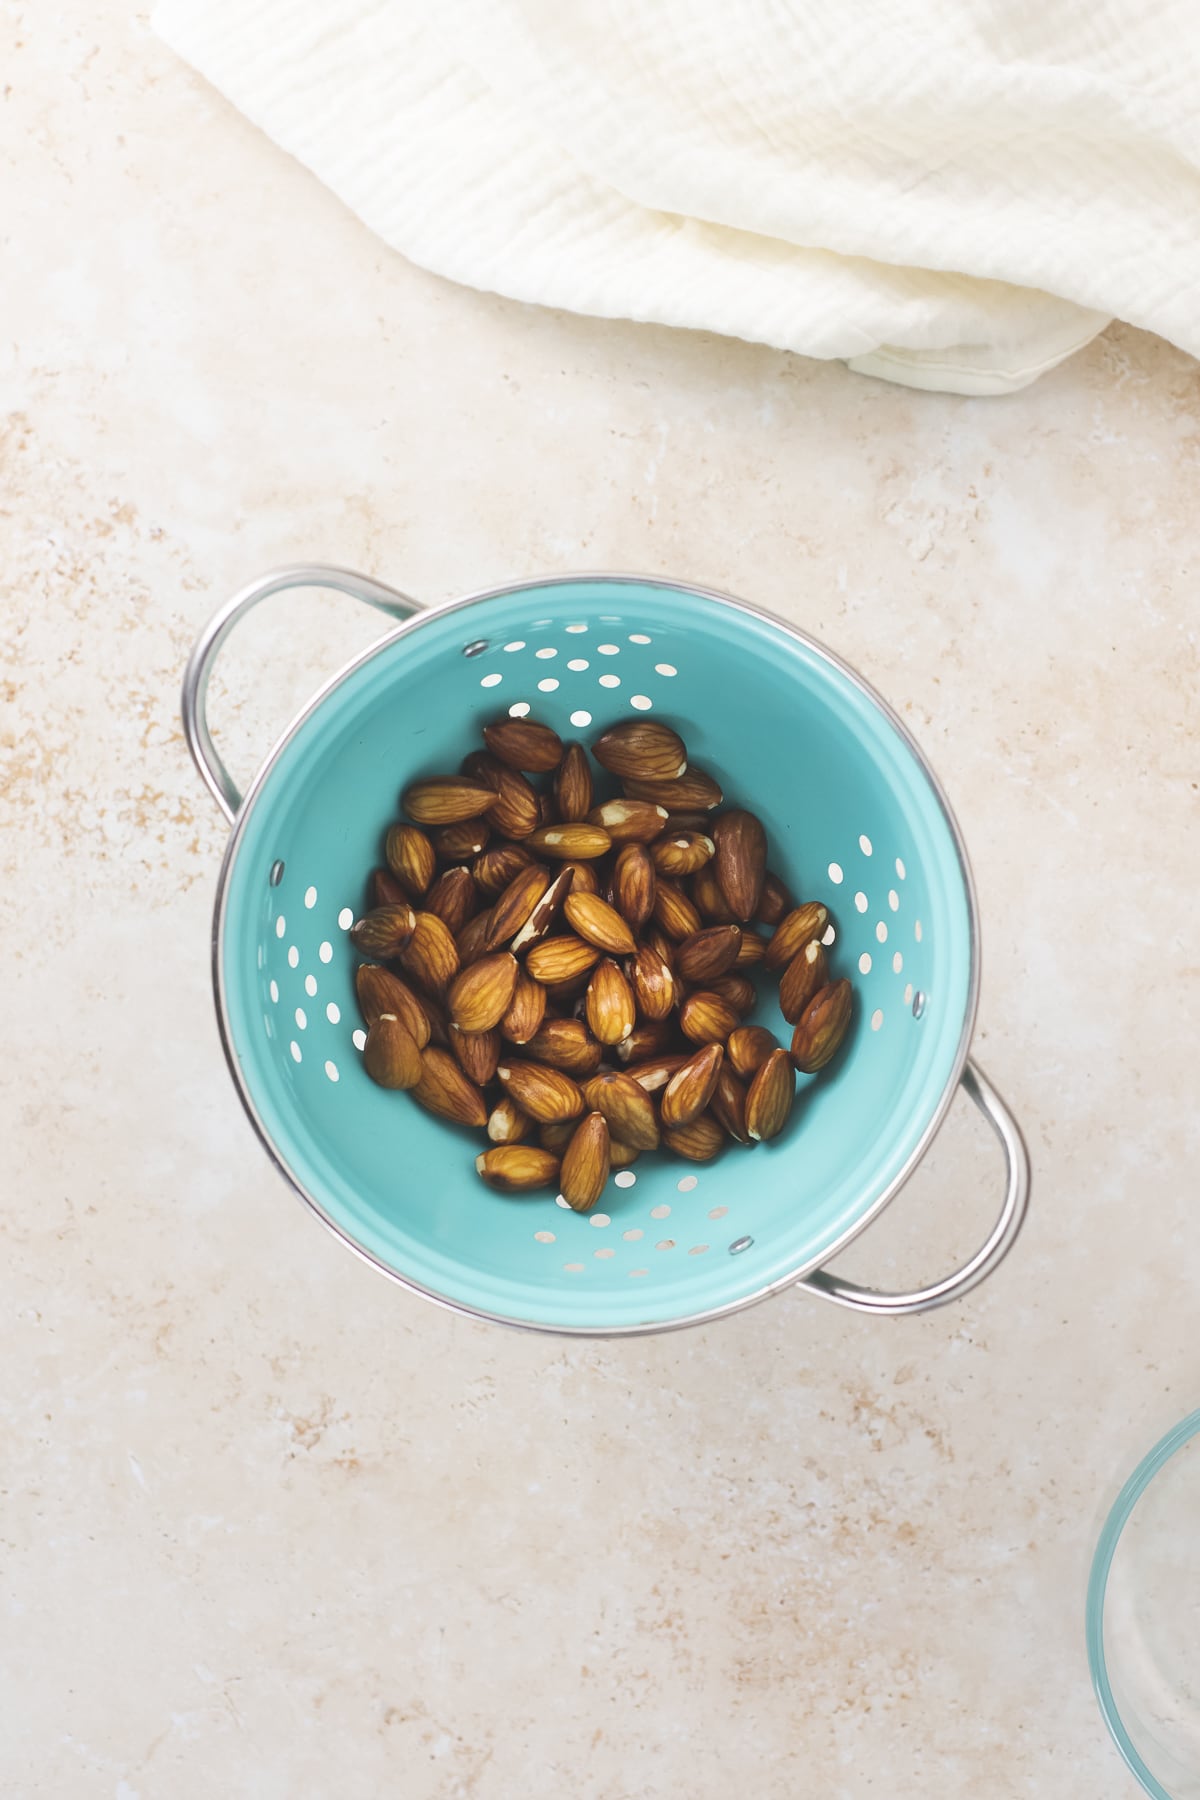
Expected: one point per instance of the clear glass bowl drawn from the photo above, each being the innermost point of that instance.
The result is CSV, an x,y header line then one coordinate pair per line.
x,y
1143,1617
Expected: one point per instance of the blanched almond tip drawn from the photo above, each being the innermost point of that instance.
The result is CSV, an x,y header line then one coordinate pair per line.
x,y
480,1162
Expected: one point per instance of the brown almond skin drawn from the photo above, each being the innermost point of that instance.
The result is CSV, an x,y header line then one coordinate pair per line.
x,y
628,1109
391,1055
545,913
674,911
690,1088
570,843
804,976
740,861
693,792
459,843
444,1089
439,1024
454,898
634,885
431,955
649,1037
585,1164
703,955
629,821
526,1010
517,1168
524,744
445,799
498,866
411,858
472,941
641,749
479,997
751,950
821,1029
477,1053
699,1140
748,1049
682,853
611,1012
799,927
514,813
655,1074
708,898
566,1044
582,877
653,984
664,946
728,1104
546,1094
557,959
775,903
379,991
573,785
738,990
620,1156
598,923
507,1124
707,1019
385,890
547,810
556,1137
769,1097
517,902
385,931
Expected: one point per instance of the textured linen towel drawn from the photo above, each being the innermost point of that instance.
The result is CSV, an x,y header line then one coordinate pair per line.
x,y
952,196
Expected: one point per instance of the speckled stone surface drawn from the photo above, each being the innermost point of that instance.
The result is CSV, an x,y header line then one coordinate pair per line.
x,y
272,1527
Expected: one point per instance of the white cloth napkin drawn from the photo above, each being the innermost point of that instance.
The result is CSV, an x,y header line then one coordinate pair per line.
x,y
954,196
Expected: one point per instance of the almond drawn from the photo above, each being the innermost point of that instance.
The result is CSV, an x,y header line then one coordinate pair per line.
x,y
693,792
685,821
690,1088
573,785
740,861
566,1044
751,950
705,954
385,890
804,976
385,931
379,991
641,750
585,1164
547,810
748,1049
822,1027
611,1012
653,984
598,923
454,898
620,1156
526,1010
775,903
517,902
546,1094
514,813
391,1055
707,1019
444,799
769,1098
564,999
472,941
556,1137
698,1140
707,895
629,821
583,877
517,1168
648,1038
634,885
663,946
479,996
507,1124
546,910
410,857
728,1104
498,866
477,1053
681,854
439,1024
799,927
431,955
628,1109
460,842
674,911
570,842
655,1074
445,1090
556,959
524,744
739,991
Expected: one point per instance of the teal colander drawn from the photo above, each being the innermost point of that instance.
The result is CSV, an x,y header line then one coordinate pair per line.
x,y
854,816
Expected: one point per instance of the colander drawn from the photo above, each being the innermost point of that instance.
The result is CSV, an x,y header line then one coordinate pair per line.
x,y
854,816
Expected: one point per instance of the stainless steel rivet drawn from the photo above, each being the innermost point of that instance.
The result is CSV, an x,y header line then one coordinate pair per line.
x,y
476,648
739,1244
918,1006
276,875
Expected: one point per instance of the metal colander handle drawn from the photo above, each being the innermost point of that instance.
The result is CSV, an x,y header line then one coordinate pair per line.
x,y
215,775
997,1245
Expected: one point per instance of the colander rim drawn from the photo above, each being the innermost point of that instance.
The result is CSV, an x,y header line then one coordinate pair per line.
x,y
441,609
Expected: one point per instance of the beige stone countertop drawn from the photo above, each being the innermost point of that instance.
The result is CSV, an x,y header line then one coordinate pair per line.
x,y
271,1526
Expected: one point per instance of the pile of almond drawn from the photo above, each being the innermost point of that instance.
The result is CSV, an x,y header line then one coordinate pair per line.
x,y
573,976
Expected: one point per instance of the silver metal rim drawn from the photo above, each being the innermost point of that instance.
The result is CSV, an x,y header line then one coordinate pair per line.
x,y
802,1269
